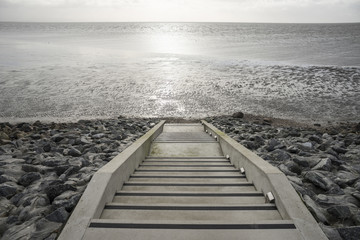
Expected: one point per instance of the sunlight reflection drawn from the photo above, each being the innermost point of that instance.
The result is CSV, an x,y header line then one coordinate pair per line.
x,y
168,43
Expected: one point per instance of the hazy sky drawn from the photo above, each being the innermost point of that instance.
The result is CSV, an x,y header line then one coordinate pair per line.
x,y
181,10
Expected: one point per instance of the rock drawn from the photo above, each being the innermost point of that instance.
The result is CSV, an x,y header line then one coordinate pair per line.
x,y
305,146
293,133
329,200
29,168
52,236
340,212
306,161
296,180
346,177
45,228
67,199
61,169
26,127
339,150
286,171
20,232
316,210
53,162
316,139
324,164
29,212
60,215
350,233
258,140
35,136
238,115
84,141
57,138
5,178
28,178
293,167
301,190
293,149
5,207
7,190
357,185
324,146
250,145
74,152
280,155
98,136
272,143
330,232
12,168
3,224
322,181
47,147
55,190
4,136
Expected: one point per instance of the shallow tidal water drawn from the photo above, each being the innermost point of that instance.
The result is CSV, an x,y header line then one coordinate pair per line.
x,y
71,71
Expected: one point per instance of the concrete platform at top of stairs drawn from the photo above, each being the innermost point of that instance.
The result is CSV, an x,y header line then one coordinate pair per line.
x,y
185,150
183,128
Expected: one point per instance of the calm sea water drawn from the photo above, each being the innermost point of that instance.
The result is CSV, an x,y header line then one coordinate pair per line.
x,y
68,71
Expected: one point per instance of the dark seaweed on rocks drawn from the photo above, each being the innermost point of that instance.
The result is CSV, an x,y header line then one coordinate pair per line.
x,y
322,164
44,169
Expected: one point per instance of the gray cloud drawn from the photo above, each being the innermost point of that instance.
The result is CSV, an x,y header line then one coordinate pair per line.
x,y
181,10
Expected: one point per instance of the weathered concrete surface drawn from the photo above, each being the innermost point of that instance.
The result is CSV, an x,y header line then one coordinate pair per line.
x,y
267,178
187,189
105,183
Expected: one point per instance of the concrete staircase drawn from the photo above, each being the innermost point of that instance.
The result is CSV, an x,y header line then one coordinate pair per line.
x,y
187,189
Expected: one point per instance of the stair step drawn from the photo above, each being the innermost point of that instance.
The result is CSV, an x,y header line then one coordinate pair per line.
x,y
223,200
205,161
187,164
248,232
191,184
186,168
197,158
174,224
169,179
237,216
189,194
198,176
188,188
192,207
187,173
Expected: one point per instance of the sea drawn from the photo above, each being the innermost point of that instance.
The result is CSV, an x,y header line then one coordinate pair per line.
x,y
70,71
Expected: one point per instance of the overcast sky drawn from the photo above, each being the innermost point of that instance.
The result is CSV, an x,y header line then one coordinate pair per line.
x,y
180,10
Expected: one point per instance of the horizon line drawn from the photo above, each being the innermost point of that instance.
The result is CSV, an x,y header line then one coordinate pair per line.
x,y
177,22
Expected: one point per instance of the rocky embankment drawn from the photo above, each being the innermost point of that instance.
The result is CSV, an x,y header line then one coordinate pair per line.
x,y
44,169
322,164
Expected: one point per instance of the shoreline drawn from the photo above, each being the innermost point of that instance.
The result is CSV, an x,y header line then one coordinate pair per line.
x,y
251,118
45,167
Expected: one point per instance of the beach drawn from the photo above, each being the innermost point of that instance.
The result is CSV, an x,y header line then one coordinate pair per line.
x,y
70,71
